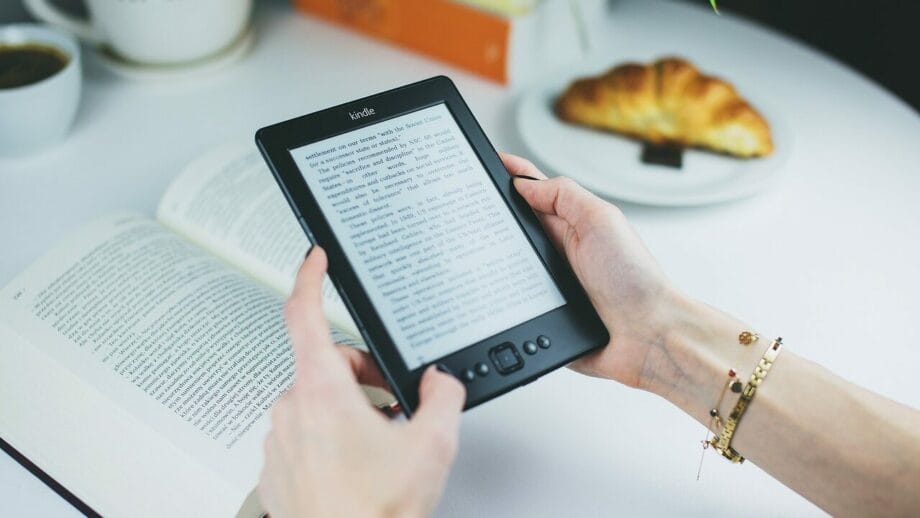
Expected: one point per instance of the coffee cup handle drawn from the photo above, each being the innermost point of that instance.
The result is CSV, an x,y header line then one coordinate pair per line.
x,y
48,13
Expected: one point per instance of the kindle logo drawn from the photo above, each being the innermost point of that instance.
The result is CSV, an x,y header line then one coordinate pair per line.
x,y
366,112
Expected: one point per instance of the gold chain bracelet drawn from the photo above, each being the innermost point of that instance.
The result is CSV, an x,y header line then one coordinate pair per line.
x,y
715,419
723,443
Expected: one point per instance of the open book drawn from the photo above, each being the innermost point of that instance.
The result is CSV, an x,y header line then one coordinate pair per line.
x,y
139,358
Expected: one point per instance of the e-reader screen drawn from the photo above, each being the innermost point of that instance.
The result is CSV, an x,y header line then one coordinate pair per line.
x,y
431,239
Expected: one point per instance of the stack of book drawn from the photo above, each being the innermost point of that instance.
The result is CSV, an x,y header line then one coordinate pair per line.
x,y
508,41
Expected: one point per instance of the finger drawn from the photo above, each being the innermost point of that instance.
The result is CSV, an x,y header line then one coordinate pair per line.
x,y
519,166
364,367
556,229
311,340
273,479
557,196
438,415
270,467
309,280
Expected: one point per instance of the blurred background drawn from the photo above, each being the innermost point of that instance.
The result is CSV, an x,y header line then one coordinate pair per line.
x,y
879,38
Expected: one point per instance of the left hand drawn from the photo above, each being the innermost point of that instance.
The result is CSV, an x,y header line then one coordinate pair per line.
x,y
330,453
626,286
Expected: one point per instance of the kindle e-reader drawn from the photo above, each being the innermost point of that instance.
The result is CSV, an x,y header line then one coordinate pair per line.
x,y
436,256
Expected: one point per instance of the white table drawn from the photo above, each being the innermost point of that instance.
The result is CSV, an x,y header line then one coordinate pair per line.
x,y
828,258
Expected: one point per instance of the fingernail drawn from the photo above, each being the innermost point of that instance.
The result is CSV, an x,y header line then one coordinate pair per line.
x,y
524,176
443,368
391,410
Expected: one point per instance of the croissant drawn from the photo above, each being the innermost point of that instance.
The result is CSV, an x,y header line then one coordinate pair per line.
x,y
668,102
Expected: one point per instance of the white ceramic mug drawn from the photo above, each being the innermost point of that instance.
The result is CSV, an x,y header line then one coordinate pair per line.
x,y
35,115
155,32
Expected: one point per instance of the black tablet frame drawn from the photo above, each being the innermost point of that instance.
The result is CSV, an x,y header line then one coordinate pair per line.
x,y
573,329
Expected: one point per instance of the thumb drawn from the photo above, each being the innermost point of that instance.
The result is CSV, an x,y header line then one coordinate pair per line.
x,y
559,196
307,327
438,415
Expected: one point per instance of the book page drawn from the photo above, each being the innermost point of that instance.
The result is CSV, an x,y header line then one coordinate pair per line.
x,y
172,335
228,202
100,452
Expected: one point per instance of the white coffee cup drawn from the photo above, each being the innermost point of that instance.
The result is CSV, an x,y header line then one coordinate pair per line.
x,y
154,32
35,115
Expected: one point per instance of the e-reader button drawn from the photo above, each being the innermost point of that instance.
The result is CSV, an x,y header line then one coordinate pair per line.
x,y
482,369
468,375
506,358
543,342
529,347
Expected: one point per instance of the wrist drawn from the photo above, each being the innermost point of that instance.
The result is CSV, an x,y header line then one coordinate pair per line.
x,y
688,365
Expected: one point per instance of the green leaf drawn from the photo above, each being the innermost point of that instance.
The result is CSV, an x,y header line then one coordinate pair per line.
x,y
714,6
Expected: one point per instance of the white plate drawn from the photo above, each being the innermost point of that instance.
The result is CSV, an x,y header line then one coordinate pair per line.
x,y
610,165
232,53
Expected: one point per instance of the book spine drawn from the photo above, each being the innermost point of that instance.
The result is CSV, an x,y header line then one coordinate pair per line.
x,y
464,36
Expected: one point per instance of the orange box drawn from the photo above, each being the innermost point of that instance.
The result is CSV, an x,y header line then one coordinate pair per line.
x,y
464,36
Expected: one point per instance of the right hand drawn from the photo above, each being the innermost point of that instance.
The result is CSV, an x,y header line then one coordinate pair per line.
x,y
623,281
329,452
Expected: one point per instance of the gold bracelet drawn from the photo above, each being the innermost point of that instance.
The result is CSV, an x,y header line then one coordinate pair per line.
x,y
723,444
715,419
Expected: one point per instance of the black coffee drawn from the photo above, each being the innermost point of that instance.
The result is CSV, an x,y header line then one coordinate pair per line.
x,y
22,65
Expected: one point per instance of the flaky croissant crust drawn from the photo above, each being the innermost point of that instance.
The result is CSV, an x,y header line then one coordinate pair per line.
x,y
668,102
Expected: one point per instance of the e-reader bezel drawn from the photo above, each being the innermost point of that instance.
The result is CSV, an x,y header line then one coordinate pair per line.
x,y
573,329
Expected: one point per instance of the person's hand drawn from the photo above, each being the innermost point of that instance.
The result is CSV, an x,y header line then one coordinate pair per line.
x,y
330,453
625,284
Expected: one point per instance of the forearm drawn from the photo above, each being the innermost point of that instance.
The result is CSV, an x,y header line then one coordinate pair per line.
x,y
848,450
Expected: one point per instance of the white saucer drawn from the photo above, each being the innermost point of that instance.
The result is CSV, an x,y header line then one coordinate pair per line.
x,y
209,64
609,165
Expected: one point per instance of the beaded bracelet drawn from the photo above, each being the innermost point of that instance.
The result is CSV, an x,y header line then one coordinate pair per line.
x,y
723,444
